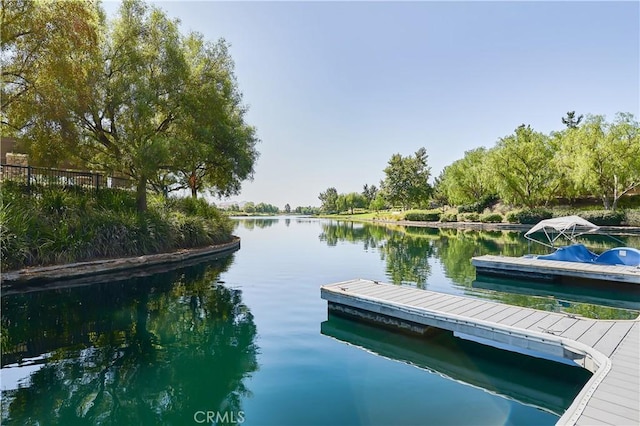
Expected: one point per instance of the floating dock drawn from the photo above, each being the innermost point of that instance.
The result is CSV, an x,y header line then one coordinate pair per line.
x,y
609,349
554,270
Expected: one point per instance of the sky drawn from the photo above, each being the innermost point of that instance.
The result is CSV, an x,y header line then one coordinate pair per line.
x,y
336,88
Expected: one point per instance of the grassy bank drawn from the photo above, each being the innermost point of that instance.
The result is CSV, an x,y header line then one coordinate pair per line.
x,y
55,226
628,217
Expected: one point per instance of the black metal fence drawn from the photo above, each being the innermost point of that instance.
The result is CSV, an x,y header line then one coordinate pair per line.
x,y
41,177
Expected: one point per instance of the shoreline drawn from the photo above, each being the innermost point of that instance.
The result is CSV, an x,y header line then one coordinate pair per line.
x,y
481,226
88,272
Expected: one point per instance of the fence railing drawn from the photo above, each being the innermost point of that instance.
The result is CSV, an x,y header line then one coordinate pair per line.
x,y
41,176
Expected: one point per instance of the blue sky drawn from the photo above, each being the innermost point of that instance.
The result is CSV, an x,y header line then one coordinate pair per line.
x,y
336,88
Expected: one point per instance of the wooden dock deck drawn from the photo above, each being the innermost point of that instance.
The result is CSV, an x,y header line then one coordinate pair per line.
x,y
609,349
525,267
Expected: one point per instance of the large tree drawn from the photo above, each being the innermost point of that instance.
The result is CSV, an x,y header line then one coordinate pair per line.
x,y
467,180
606,157
215,147
369,192
146,102
520,164
47,49
329,200
406,182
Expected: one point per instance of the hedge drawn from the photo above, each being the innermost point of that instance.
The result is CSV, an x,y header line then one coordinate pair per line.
x,y
603,217
528,216
469,217
491,218
422,216
449,217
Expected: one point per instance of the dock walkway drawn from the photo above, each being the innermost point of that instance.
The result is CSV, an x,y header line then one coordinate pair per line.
x,y
609,349
554,269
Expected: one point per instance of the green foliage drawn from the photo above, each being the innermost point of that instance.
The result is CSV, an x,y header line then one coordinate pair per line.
x,y
308,210
571,121
632,217
491,218
520,164
603,217
329,199
59,226
629,202
378,203
448,217
406,180
133,96
529,216
267,208
423,215
603,158
370,193
479,206
350,202
469,217
467,180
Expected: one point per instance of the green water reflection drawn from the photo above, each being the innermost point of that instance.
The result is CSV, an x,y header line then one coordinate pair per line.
x,y
158,349
143,351
411,254
539,382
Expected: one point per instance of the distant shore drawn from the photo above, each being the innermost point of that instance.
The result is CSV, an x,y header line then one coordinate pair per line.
x,y
480,226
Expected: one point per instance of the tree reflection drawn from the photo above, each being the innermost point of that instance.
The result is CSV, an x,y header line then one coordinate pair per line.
x,y
406,257
369,236
143,351
258,222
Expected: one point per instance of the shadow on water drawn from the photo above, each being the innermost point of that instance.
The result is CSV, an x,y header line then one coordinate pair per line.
x,y
150,350
543,383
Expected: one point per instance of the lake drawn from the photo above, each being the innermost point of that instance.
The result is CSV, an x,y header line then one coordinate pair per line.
x,y
247,339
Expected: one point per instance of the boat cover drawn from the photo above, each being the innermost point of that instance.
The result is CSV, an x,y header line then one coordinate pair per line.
x,y
568,227
572,253
620,256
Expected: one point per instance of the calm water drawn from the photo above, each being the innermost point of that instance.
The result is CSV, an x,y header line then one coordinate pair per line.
x,y
247,339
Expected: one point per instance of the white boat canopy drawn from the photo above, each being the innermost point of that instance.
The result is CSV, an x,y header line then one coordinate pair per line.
x,y
568,227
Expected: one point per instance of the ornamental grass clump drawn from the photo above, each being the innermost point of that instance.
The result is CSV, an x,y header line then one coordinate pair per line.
x,y
55,226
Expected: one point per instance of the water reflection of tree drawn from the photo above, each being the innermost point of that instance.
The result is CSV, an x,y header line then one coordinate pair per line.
x,y
370,236
143,351
258,222
406,257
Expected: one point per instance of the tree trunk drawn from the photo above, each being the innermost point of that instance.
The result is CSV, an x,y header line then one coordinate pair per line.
x,y
193,184
141,194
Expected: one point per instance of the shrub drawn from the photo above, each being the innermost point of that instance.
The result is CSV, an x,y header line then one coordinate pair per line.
x,y
469,217
491,218
603,217
422,215
529,216
55,225
480,205
468,208
632,217
448,217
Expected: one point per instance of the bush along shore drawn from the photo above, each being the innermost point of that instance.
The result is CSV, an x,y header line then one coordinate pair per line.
x,y
627,217
50,226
